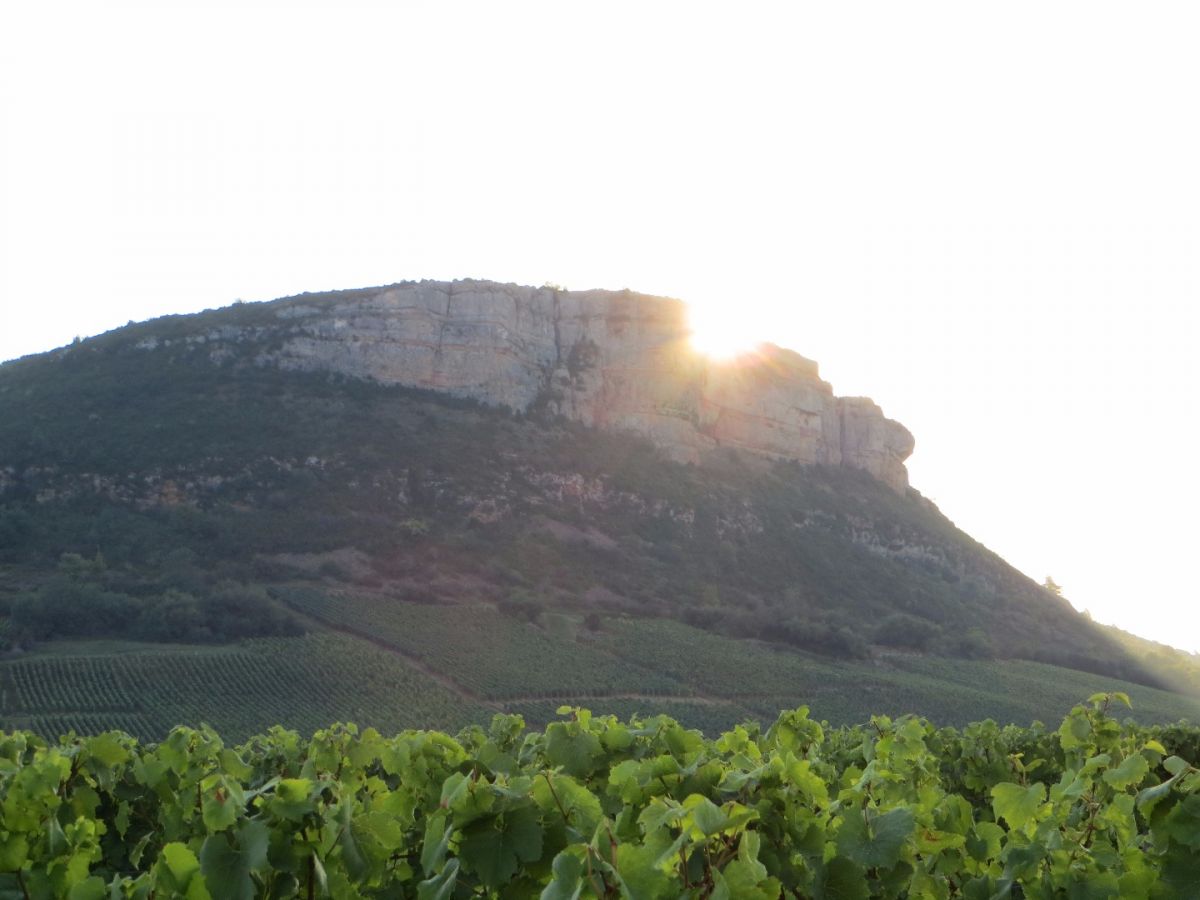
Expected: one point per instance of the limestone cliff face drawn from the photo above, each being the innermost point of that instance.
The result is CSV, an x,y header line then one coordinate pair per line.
x,y
610,359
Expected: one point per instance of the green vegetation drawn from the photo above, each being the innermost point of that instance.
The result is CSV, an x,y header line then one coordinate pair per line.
x,y
491,655
170,452
295,682
78,601
160,485
596,807
392,664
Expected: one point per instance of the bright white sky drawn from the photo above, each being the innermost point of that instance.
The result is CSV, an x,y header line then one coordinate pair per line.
x,y
985,217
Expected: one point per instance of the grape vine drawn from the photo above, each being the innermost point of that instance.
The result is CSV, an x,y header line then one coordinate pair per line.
x,y
599,808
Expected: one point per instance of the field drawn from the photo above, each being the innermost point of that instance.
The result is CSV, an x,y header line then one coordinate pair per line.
x,y
394,665
490,655
302,683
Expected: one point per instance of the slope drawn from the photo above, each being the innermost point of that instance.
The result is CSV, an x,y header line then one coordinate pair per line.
x,y
178,482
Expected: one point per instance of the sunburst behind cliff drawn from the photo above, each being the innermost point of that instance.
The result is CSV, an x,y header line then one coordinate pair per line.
x,y
722,331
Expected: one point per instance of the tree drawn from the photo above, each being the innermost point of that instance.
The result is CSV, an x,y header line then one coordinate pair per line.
x,y
1052,586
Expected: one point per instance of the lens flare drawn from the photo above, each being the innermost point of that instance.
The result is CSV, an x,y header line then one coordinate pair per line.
x,y
721,332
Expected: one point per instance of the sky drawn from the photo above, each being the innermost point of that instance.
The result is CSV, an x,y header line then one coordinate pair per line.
x,y
984,217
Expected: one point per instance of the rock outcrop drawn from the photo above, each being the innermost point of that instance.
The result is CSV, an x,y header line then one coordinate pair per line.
x,y
610,359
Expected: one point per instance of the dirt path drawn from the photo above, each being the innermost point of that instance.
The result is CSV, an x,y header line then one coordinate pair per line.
x,y
697,699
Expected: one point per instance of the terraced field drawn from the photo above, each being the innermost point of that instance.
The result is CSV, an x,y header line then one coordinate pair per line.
x,y
394,665
765,679
490,655
302,683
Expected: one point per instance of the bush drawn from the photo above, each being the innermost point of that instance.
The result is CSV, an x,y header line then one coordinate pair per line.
x,y
173,616
910,632
520,605
819,637
234,611
63,607
973,644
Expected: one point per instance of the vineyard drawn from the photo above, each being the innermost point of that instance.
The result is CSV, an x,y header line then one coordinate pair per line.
x,y
593,807
391,665
489,654
297,682
766,679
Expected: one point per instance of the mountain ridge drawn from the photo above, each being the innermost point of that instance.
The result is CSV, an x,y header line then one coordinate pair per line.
x,y
174,475
608,359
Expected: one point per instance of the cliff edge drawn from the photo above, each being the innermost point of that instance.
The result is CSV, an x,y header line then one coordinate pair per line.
x,y
609,359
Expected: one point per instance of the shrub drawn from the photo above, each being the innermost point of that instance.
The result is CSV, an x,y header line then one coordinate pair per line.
x,y
910,632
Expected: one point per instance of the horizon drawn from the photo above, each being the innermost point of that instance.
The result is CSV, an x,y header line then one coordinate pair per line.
x,y
996,240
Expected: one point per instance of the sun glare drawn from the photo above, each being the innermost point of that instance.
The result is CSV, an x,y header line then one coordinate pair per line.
x,y
720,332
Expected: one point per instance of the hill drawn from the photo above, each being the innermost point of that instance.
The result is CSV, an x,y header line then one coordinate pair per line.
x,y
257,490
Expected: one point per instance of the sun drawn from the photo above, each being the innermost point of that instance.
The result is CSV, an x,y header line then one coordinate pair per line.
x,y
720,331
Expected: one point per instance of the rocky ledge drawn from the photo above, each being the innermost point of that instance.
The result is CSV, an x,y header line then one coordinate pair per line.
x,y
609,359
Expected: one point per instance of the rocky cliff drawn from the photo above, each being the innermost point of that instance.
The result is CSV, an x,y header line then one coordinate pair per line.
x,y
610,359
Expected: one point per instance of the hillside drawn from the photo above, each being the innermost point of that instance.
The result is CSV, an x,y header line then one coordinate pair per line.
x,y
187,482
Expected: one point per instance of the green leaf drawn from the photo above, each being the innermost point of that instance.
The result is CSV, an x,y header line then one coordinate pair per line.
x,y
705,816
353,856
637,865
985,888
744,880
107,749
1017,805
1182,823
567,882
1175,765
437,841
91,888
1075,729
559,794
440,886
875,840
575,750
223,802
1148,798
1130,772
292,799
841,879
492,847
1181,874
181,862
381,828
227,868
14,851
809,782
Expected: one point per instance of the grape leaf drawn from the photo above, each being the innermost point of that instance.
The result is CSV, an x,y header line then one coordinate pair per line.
x,y
575,750
841,879
1017,805
493,847
875,840
227,868
440,886
1131,771
567,880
